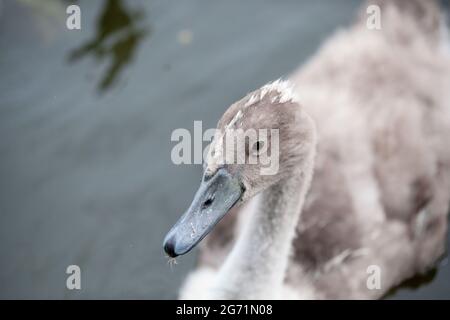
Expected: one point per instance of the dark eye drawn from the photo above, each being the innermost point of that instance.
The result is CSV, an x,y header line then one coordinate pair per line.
x,y
258,146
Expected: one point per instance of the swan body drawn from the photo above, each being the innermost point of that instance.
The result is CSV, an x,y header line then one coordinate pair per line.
x,y
364,181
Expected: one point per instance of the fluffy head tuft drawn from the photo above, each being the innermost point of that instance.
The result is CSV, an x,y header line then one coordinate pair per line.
x,y
283,90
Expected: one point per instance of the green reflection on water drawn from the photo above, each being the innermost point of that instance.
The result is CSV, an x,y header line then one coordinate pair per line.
x,y
117,38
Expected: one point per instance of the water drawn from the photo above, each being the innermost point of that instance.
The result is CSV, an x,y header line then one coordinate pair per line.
x,y
85,124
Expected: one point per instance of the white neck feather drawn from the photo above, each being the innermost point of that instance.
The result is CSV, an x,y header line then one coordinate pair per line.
x,y
256,266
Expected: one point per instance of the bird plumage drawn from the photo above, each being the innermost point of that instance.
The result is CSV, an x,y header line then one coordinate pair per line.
x,y
380,193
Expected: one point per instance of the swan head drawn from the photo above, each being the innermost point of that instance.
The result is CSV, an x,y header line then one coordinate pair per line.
x,y
260,140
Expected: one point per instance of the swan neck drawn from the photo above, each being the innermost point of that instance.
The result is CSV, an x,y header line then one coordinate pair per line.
x,y
261,254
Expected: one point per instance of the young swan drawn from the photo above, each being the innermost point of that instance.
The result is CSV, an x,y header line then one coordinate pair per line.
x,y
376,211
256,266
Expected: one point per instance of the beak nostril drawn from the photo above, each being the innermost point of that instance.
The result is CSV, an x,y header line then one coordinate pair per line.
x,y
207,202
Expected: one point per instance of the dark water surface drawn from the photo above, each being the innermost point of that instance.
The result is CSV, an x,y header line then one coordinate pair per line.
x,y
85,124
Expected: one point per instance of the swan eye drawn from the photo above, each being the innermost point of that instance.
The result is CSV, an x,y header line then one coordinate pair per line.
x,y
258,146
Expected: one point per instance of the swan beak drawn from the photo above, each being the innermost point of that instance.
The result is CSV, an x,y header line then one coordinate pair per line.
x,y
215,197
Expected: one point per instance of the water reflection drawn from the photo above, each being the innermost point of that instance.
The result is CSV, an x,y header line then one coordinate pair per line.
x,y
117,38
413,283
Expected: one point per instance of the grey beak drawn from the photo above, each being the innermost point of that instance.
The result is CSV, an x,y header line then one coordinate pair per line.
x,y
215,197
